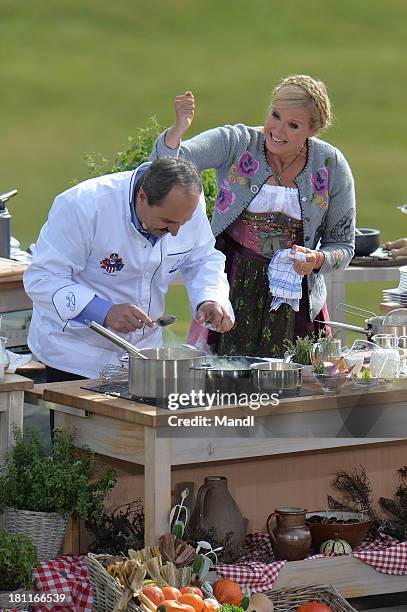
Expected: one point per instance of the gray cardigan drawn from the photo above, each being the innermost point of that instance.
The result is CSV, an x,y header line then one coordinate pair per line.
x,y
325,189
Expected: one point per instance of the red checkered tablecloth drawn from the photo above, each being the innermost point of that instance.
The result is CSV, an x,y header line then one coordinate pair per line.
x,y
64,576
257,568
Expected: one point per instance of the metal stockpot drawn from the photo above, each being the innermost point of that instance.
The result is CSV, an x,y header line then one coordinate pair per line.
x,y
228,374
277,376
373,325
162,371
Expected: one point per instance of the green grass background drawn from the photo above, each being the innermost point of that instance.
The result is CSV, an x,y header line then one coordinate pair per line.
x,y
81,76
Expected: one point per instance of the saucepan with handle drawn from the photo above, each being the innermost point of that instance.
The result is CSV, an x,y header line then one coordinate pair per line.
x,y
373,325
155,373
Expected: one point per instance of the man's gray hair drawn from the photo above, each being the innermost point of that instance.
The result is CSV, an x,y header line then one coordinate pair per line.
x,y
165,173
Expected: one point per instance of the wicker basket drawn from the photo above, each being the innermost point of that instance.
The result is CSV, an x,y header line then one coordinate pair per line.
x,y
106,590
8,604
290,598
45,529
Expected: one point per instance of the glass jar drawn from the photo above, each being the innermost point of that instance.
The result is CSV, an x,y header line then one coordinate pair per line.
x,y
327,349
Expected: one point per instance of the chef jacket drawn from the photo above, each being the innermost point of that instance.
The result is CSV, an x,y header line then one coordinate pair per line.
x,y
89,247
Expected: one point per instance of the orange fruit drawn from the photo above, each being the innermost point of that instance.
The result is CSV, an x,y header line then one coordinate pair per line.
x,y
227,591
154,594
171,593
192,599
171,605
191,589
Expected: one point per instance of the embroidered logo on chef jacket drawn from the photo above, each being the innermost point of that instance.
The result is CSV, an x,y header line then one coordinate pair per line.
x,y
70,301
113,263
176,260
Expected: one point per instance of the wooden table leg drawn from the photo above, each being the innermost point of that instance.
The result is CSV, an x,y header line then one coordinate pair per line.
x,y
157,485
11,413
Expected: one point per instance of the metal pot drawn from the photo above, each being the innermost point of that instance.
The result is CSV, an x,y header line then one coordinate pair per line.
x,y
367,240
154,373
373,325
228,374
277,376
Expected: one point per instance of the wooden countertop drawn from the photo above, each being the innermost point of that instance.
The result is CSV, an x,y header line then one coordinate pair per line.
x,y
73,395
11,271
14,382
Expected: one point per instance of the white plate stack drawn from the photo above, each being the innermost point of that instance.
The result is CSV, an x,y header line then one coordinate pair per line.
x,y
399,294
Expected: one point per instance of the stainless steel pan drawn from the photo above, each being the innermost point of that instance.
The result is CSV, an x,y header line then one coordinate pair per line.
x,y
277,376
155,373
229,373
373,325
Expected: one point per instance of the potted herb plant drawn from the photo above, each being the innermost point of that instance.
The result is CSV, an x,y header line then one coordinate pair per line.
x,y
39,492
17,556
301,351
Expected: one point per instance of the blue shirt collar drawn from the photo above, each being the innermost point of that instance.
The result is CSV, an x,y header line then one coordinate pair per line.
x,y
139,172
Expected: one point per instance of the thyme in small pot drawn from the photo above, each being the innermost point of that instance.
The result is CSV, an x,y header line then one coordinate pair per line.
x,y
301,350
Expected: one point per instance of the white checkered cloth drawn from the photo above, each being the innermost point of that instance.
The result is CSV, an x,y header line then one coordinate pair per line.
x,y
284,282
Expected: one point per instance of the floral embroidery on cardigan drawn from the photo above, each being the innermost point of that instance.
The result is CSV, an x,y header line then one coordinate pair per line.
x,y
225,198
319,183
247,165
337,255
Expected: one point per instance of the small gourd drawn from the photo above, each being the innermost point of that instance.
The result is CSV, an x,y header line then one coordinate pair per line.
x,y
336,546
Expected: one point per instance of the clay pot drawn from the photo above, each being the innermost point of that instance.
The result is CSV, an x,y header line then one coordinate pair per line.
x,y
291,538
216,510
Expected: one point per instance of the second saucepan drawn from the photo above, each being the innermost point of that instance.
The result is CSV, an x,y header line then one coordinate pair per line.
x,y
277,376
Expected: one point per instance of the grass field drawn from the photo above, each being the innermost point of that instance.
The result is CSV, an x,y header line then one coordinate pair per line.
x,y
78,77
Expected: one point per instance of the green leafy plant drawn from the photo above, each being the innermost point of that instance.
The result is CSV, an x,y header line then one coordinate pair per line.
x,y
17,556
329,343
301,350
231,608
61,482
319,368
366,375
138,151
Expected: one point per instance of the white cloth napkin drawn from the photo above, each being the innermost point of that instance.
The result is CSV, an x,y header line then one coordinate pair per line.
x,y
284,281
16,361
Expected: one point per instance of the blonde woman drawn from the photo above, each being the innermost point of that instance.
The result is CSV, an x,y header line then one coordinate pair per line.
x,y
279,186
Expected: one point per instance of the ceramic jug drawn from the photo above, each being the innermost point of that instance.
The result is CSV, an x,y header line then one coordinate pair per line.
x,y
291,537
216,510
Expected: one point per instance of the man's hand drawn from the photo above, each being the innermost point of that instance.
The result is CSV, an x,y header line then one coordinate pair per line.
x,y
184,114
215,314
314,260
126,318
397,248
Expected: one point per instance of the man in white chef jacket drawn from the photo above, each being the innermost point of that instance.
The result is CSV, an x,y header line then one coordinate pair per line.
x,y
107,253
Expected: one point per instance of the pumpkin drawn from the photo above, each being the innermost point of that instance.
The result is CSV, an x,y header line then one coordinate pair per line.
x,y
191,589
154,594
227,591
314,606
170,592
192,599
336,546
171,605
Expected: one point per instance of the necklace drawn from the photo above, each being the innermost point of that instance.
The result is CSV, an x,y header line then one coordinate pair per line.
x,y
278,177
